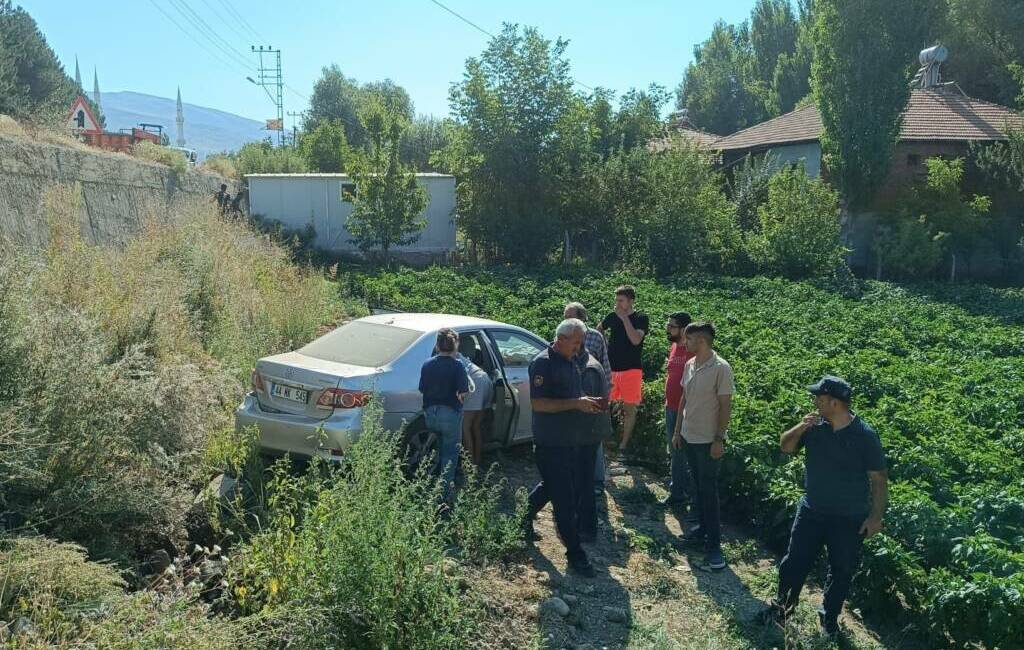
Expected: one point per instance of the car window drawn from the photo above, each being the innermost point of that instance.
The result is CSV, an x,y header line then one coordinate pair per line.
x,y
516,350
362,344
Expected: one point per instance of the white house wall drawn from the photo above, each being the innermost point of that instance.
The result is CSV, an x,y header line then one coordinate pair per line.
x,y
298,200
808,152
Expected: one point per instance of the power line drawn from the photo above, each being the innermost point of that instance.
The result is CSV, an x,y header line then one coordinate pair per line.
x,y
230,22
212,30
208,33
464,19
213,53
484,31
242,21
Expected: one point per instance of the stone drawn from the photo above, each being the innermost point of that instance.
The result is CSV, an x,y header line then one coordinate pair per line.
x,y
222,488
556,605
22,626
616,614
682,568
571,599
157,561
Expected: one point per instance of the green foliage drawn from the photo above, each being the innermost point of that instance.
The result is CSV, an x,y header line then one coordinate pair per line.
x,y
325,148
503,144
749,188
719,89
860,91
337,98
220,164
907,248
33,84
799,227
984,37
356,557
952,422
425,136
388,199
264,158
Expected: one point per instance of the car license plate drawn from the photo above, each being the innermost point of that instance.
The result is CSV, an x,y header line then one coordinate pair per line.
x,y
289,393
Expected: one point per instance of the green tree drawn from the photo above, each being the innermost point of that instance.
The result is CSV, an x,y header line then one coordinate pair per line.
x,y
388,200
863,53
340,98
33,84
799,233
506,110
719,88
638,119
325,149
959,220
773,34
265,158
791,80
1004,161
984,37
425,136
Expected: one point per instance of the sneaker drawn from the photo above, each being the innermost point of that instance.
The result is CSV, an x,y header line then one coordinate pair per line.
x,y
829,626
529,533
715,561
693,537
582,568
773,614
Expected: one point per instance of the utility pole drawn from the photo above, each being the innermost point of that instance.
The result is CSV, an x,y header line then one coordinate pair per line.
x,y
295,125
270,77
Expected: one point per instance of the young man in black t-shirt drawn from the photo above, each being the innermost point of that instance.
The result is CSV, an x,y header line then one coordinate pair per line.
x,y
626,330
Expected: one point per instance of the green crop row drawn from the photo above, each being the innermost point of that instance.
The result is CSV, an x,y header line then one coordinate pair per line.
x,y
938,370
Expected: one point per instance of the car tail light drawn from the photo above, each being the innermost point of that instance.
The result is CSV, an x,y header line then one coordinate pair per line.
x,y
257,381
341,398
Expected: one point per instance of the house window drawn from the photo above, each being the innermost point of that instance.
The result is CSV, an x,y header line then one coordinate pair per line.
x,y
913,160
348,191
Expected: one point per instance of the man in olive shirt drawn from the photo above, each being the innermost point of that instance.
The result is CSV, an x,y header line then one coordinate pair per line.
x,y
701,425
846,492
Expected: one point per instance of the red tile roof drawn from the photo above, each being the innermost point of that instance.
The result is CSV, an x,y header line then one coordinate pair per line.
x,y
700,139
932,114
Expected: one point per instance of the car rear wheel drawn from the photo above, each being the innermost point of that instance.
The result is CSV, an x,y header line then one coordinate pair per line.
x,y
420,447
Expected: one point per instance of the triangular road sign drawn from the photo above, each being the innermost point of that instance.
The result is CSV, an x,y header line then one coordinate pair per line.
x,y
80,118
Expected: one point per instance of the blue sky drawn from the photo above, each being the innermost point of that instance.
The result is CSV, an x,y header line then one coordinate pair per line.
x,y
417,44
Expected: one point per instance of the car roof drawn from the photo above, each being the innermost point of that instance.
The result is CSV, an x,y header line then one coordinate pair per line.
x,y
431,322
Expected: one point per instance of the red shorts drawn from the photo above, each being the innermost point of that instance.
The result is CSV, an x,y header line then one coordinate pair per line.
x,y
627,386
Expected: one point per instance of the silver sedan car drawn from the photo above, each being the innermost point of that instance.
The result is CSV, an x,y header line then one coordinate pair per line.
x,y
310,402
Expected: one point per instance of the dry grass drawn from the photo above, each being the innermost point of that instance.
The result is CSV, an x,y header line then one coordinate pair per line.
x,y
220,165
42,133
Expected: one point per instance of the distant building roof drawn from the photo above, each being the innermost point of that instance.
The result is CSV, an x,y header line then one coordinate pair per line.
x,y
699,139
932,114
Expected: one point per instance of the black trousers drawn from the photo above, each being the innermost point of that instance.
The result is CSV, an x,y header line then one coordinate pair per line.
x,y
567,482
704,470
812,530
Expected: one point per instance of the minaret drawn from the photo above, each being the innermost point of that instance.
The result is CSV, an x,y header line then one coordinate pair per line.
x,y
181,122
78,75
96,88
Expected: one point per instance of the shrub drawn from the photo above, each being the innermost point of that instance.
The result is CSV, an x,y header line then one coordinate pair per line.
x,y
907,248
163,155
265,158
356,557
799,235
220,164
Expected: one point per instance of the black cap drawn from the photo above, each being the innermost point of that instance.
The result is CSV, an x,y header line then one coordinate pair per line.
x,y
833,387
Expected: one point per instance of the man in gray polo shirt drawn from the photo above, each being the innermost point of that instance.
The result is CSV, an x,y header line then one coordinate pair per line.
x,y
701,425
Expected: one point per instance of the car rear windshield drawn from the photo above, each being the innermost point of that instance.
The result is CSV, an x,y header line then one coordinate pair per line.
x,y
362,344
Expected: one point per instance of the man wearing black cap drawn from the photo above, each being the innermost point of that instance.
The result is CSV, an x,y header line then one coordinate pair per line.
x,y
845,496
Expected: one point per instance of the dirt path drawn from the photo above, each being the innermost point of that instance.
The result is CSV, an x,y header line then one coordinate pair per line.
x,y
649,592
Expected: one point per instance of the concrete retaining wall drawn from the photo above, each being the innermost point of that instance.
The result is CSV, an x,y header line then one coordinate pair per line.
x,y
117,190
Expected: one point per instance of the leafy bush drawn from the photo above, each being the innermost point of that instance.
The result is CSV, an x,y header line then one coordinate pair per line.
x,y
220,164
906,248
265,158
799,233
950,420
164,155
356,557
